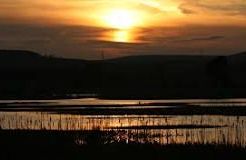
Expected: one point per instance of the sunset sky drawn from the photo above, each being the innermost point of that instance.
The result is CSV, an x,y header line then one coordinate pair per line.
x,y
85,28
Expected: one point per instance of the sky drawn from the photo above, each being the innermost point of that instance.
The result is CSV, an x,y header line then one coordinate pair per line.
x,y
86,28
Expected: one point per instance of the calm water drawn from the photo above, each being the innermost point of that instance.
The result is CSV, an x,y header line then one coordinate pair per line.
x,y
95,101
142,128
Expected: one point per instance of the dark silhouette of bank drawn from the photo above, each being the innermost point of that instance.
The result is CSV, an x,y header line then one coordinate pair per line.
x,y
28,75
17,144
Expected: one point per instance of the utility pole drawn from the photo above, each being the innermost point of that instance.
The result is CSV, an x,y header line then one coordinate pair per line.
x,y
102,55
102,71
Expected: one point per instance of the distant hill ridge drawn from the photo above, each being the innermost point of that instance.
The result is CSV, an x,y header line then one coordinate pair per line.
x,y
25,59
18,53
26,74
30,54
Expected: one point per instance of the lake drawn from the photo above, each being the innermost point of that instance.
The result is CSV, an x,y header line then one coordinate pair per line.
x,y
144,128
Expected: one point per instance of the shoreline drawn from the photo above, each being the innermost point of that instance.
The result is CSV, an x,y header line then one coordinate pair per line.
x,y
129,110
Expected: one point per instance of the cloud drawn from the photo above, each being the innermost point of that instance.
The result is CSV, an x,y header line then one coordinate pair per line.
x,y
207,38
109,44
151,6
87,42
186,10
228,7
150,9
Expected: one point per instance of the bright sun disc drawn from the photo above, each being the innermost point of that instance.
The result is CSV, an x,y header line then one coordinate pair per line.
x,y
120,19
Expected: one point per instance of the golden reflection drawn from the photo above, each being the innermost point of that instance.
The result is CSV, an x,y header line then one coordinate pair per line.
x,y
231,132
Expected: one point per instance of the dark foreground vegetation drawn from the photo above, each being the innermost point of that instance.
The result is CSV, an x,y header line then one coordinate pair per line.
x,y
28,75
103,145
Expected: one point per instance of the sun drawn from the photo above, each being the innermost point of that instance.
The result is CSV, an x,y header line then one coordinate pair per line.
x,y
120,19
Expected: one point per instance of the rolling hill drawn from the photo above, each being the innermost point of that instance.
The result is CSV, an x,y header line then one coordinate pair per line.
x,y
27,74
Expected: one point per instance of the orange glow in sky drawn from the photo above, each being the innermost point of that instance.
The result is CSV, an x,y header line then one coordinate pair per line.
x,y
64,27
127,13
120,19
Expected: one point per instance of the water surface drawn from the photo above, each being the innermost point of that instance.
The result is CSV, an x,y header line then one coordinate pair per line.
x,y
142,128
163,128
